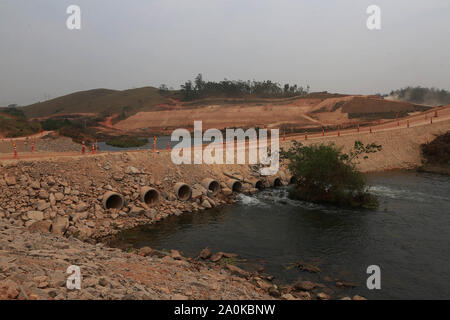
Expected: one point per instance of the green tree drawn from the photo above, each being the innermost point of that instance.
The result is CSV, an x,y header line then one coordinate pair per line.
x,y
323,173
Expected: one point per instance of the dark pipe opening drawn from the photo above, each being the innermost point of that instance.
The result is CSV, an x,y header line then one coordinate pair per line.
x,y
214,187
114,202
237,186
151,197
277,182
259,185
184,192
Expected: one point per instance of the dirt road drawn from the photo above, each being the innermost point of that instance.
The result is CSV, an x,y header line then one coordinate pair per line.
x,y
401,144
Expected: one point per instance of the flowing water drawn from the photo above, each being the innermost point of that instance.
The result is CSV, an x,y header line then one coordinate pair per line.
x,y
408,236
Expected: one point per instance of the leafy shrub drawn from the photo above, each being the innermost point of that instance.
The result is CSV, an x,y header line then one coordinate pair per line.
x,y
325,174
438,150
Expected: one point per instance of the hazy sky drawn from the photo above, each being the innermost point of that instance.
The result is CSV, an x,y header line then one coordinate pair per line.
x,y
134,43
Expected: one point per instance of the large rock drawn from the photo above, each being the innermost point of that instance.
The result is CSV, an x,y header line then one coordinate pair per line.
x,y
205,253
10,180
227,191
60,225
237,271
40,226
43,194
304,285
35,215
206,204
43,205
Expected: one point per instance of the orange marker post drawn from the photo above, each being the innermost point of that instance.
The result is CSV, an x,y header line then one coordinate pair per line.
x,y
83,148
154,143
93,149
15,152
435,114
358,127
323,132
32,146
431,120
407,123
168,146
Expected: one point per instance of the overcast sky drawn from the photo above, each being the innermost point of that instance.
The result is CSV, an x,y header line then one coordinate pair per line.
x,y
135,43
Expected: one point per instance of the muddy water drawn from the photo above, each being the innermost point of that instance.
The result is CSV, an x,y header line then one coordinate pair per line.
x,y
408,236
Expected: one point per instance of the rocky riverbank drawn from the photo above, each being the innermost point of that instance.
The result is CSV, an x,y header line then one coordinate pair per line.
x,y
33,266
52,216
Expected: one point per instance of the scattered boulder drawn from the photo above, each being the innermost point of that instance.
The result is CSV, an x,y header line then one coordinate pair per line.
x,y
304,285
205,253
40,226
60,225
35,215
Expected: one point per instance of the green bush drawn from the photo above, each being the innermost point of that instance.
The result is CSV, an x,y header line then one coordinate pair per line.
x,y
325,174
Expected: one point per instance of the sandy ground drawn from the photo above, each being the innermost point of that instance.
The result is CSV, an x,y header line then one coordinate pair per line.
x,y
291,113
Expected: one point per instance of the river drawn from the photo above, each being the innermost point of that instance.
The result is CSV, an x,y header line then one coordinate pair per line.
x,y
408,237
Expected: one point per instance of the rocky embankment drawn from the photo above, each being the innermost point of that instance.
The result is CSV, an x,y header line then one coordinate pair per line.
x,y
52,215
65,196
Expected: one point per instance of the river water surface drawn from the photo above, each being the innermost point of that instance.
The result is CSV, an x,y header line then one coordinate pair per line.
x,y
408,236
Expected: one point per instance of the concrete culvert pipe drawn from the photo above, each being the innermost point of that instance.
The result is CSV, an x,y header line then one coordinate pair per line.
x,y
234,185
183,191
113,200
211,185
256,183
150,196
274,181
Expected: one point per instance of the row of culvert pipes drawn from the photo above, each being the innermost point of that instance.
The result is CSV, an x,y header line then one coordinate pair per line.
x,y
151,196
